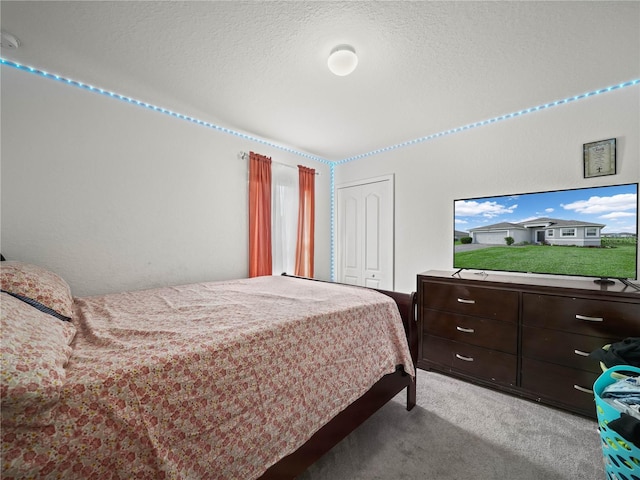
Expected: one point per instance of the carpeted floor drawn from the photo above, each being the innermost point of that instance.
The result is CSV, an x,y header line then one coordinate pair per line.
x,y
459,431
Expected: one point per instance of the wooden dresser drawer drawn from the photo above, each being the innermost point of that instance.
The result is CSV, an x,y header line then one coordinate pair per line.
x,y
558,384
480,362
470,300
563,348
581,315
478,331
524,335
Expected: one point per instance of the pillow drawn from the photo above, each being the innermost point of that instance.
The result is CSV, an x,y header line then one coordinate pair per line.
x,y
38,284
33,352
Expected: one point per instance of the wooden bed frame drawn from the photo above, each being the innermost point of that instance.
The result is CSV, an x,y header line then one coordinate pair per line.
x,y
355,414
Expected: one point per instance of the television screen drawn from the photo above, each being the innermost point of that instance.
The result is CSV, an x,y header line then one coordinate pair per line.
x,y
591,232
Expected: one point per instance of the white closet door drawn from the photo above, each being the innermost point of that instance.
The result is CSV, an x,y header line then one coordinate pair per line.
x,y
365,233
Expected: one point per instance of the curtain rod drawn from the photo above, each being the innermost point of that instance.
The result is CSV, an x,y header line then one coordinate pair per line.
x,y
245,156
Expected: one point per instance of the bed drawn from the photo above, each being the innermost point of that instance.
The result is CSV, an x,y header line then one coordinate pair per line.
x,y
242,379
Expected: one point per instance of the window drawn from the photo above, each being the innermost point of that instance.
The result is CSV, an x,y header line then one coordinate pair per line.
x,y
284,217
281,217
591,232
568,232
549,233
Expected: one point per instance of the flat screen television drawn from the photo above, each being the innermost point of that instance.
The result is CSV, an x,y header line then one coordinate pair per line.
x,y
587,232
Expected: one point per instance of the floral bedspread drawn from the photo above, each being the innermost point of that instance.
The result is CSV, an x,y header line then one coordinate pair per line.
x,y
213,380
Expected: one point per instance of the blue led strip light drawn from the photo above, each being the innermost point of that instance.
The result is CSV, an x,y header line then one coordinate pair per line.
x,y
489,121
245,136
332,192
331,164
155,108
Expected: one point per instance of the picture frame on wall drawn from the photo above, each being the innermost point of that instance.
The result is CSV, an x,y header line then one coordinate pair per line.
x,y
599,158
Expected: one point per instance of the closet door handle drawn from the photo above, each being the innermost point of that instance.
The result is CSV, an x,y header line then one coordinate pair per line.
x,y
582,389
589,319
466,359
465,330
464,300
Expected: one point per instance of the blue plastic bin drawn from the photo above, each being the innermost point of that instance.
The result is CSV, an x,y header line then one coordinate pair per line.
x,y
621,458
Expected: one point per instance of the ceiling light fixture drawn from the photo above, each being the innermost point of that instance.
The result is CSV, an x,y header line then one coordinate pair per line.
x,y
342,60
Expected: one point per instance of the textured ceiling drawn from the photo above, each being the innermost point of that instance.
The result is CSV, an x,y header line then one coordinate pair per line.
x,y
260,67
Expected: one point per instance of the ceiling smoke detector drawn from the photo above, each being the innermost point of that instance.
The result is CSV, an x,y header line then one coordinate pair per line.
x,y
9,41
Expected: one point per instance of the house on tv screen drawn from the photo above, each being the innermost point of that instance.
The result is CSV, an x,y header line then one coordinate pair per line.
x,y
552,231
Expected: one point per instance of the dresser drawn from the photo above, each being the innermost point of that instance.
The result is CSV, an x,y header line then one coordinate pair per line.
x,y
526,336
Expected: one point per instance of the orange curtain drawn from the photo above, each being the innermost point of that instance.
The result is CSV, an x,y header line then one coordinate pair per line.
x,y
306,221
259,215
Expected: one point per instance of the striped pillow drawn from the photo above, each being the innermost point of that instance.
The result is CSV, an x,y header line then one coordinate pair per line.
x,y
39,287
34,351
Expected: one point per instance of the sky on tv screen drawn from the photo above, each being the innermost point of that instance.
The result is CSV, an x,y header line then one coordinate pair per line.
x,y
613,206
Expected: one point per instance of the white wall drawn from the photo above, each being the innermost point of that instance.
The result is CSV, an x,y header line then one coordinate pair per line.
x,y
536,152
114,196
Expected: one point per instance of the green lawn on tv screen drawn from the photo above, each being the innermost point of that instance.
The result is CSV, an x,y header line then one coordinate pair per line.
x,y
618,261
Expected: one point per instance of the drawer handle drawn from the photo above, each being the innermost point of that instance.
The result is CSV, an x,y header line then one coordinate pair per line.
x,y
464,300
582,389
465,330
581,353
589,319
461,357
